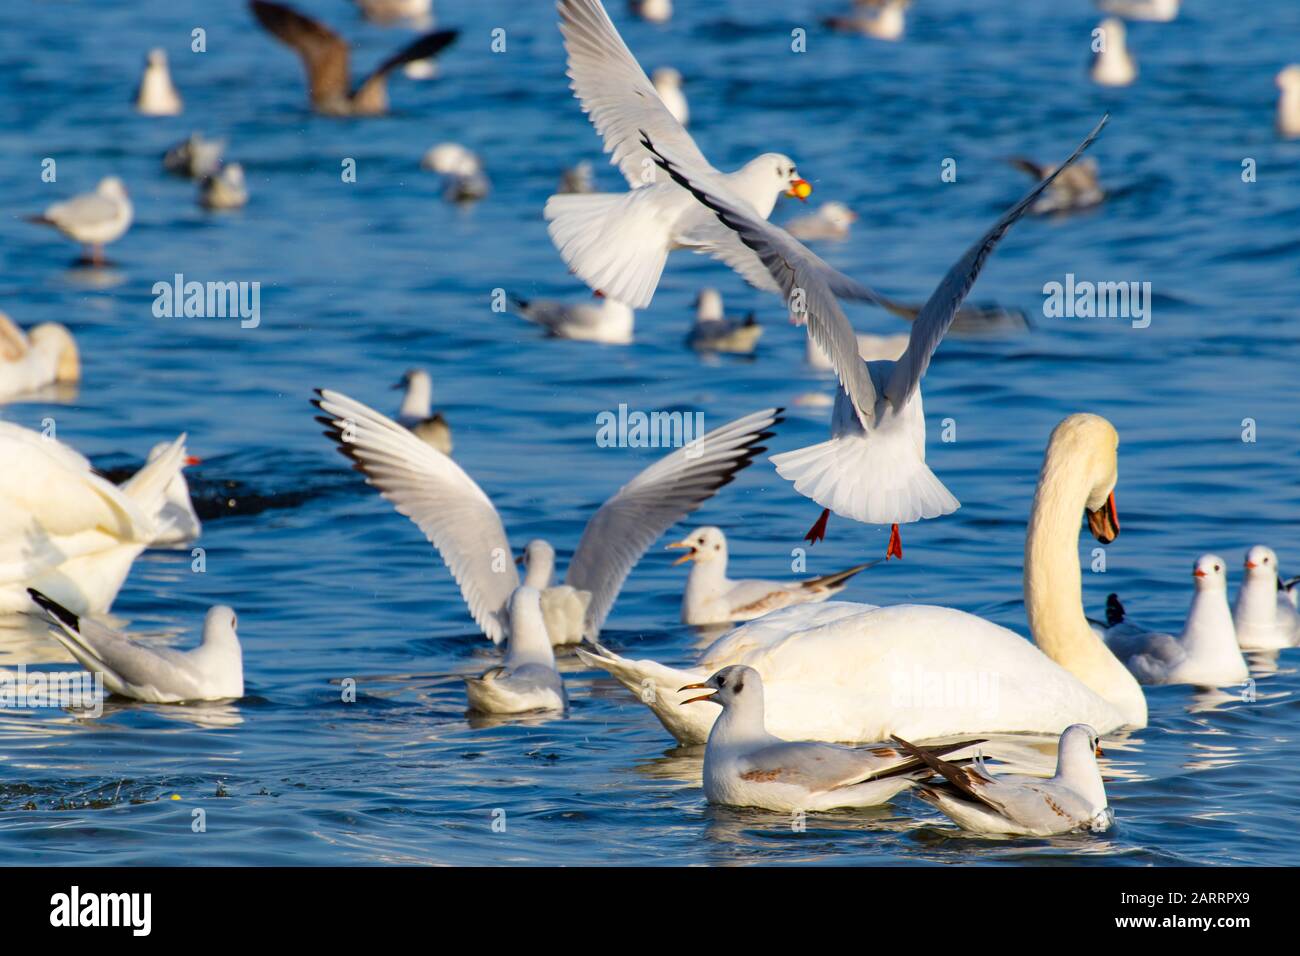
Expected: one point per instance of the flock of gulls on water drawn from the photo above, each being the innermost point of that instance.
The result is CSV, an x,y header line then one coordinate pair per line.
x,y
773,700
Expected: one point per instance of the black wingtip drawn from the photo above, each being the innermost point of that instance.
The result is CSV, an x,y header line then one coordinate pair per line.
x,y
48,604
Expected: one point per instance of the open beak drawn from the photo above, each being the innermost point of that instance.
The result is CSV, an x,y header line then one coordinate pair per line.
x,y
1099,752
708,696
800,189
192,460
685,557
1104,522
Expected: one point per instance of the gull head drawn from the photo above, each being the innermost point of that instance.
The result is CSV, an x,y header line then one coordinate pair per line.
x,y
451,159
702,545
779,170
221,625
414,378
708,305
112,187
1080,746
538,562
1288,79
157,57
1261,563
1210,573
1114,33
59,340
666,77
729,686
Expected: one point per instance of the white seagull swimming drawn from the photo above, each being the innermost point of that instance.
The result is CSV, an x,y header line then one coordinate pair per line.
x,y
714,332
45,355
156,95
527,679
460,521
853,672
745,766
873,467
607,320
881,19
1073,799
1288,102
92,219
224,189
65,530
1113,65
713,598
1205,654
212,671
416,411
1264,616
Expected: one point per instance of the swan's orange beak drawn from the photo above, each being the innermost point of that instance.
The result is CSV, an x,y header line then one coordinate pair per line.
x,y
708,696
688,556
1104,522
800,189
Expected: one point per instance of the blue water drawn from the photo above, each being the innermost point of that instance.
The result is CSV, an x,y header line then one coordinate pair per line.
x,y
360,281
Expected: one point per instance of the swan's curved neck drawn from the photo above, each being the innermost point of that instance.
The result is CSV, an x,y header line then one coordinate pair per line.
x,y
1054,590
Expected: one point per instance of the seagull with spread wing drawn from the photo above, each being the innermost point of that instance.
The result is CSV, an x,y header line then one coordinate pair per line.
x,y
873,467
461,522
325,57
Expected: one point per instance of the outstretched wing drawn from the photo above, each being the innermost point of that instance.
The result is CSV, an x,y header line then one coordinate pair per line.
x,y
324,53
434,492
652,502
616,94
938,312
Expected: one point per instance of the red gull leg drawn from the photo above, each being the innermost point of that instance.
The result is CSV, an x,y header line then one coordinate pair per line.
x,y
895,544
818,531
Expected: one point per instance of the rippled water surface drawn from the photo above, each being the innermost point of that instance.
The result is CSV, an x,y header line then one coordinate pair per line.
x,y
360,281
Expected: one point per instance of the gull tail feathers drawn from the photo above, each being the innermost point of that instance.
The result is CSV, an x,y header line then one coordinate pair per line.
x,y
65,627
614,242
148,486
855,480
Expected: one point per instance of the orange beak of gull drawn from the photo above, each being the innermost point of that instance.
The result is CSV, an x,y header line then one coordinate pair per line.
x,y
1104,522
191,460
708,696
1251,564
800,189
689,555
1198,573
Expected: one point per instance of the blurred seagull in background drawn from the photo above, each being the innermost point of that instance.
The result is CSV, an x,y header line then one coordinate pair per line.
x,y
224,189
577,179
156,95
668,84
609,322
714,332
461,170
654,11
93,219
418,12
1076,188
1264,614
1113,65
416,411
832,221
1159,10
194,157
175,521
881,19
325,56
1288,102
461,522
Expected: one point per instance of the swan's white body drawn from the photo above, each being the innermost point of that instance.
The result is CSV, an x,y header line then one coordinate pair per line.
x,y
44,356
527,679
1264,616
1205,654
65,530
1113,65
175,520
156,95
853,672
713,598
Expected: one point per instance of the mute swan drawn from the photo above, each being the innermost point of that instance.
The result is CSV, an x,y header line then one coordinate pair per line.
x,y
212,671
527,679
417,414
713,598
1264,615
745,766
1206,654
65,530
460,521
714,332
1073,799
28,361
848,672
873,467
